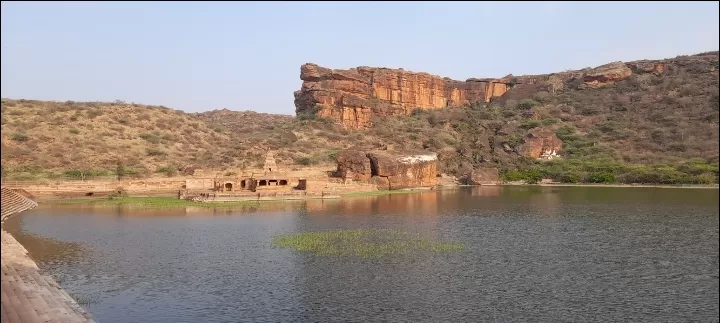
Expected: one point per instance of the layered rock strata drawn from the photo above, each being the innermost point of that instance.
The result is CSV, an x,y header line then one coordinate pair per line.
x,y
388,171
352,97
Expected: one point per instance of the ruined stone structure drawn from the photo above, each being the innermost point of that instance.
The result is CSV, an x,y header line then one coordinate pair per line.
x,y
253,184
388,171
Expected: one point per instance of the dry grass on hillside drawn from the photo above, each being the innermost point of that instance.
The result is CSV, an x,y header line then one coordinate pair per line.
x,y
72,135
645,119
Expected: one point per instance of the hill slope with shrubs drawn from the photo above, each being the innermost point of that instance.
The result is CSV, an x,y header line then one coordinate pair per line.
x,y
648,128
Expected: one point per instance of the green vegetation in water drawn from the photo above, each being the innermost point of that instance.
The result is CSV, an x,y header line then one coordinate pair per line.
x,y
361,242
152,202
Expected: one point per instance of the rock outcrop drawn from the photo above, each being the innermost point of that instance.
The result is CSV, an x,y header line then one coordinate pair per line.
x,y
353,165
607,74
352,97
485,176
388,171
540,142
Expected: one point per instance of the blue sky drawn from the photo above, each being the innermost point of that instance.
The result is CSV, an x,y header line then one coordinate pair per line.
x,y
200,56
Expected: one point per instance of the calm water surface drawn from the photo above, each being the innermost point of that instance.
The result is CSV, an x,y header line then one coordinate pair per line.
x,y
532,254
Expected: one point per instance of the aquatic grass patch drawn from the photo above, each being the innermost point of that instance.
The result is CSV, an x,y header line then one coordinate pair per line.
x,y
152,202
362,242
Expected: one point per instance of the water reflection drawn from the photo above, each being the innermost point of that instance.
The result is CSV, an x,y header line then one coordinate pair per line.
x,y
44,249
541,254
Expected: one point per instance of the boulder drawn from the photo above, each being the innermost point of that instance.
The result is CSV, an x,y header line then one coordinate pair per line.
x,y
539,141
354,165
485,176
389,170
405,171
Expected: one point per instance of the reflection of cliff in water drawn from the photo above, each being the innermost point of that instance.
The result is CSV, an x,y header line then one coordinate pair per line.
x,y
41,249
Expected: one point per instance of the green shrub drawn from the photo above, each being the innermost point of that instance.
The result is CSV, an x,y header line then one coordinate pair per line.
x,y
154,138
527,104
600,178
305,161
155,152
529,124
20,137
571,177
168,170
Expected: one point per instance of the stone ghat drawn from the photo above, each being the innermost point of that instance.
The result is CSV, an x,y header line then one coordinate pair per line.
x,y
13,202
28,296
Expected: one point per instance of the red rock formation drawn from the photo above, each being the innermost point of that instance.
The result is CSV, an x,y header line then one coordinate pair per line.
x,y
646,67
351,97
388,171
606,74
355,96
404,171
485,176
354,165
538,142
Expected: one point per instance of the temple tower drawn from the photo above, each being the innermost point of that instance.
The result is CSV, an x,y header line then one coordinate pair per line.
x,y
270,165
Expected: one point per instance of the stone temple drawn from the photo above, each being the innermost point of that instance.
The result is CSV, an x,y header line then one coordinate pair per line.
x,y
270,165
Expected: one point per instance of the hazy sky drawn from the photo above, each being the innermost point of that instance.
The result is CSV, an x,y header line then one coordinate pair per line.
x,y
199,56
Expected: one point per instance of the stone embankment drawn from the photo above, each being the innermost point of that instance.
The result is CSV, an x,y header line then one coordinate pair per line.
x,y
27,295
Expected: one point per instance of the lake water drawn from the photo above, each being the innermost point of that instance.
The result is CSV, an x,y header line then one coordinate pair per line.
x,y
531,254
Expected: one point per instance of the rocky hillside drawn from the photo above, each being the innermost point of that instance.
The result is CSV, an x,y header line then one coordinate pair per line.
x,y
623,122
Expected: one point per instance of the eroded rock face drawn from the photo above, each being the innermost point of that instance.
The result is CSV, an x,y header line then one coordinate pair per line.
x,y
607,74
539,141
485,176
646,66
404,171
354,165
356,96
352,97
389,171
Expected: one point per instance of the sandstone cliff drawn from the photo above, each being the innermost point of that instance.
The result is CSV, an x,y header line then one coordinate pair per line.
x,y
352,97
388,171
355,96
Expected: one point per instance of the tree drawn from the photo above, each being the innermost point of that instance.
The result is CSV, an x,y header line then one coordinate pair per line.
x,y
120,170
555,83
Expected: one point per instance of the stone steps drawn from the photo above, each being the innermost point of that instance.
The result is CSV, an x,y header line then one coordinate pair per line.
x,y
27,295
13,202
